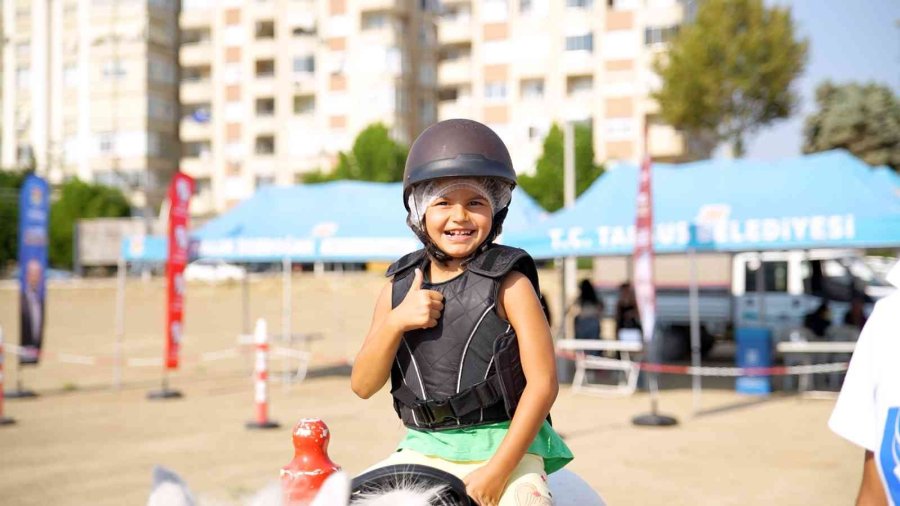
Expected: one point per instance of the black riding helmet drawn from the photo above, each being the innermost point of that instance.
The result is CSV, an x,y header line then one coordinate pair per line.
x,y
457,148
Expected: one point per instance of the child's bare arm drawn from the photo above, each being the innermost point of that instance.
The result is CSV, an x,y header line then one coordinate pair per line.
x,y
520,305
419,309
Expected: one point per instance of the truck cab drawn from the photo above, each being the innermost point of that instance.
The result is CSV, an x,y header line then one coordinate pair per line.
x,y
778,289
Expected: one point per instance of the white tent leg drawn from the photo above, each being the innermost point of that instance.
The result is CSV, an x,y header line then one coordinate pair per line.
x,y
286,312
696,387
121,272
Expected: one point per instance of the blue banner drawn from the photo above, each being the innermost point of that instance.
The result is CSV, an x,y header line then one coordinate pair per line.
x,y
34,218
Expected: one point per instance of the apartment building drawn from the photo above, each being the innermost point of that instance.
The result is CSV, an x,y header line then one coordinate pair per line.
x,y
89,90
273,89
521,65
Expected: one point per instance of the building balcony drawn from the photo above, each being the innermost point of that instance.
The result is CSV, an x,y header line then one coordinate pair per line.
x,y
264,49
458,71
455,109
201,166
196,17
455,30
304,83
578,62
263,9
381,5
196,91
197,54
190,130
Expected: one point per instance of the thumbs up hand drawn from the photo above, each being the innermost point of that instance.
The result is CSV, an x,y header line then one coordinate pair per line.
x,y
420,309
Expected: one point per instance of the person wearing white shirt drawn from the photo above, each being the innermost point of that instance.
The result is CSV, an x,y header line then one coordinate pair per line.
x,y
867,412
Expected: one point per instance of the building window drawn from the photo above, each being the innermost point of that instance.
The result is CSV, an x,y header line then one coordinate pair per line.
x,y
265,145
304,64
448,94
580,42
197,149
195,36
106,142
70,74
265,68
655,35
113,69
623,4
304,104
265,106
619,129
577,85
495,90
581,4
23,77
374,20
532,89
194,74
265,30
202,186
262,181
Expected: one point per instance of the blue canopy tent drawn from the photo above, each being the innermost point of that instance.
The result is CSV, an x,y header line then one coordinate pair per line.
x,y
340,221
824,200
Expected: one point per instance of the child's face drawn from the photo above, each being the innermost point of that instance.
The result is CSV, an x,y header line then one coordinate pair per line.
x,y
459,222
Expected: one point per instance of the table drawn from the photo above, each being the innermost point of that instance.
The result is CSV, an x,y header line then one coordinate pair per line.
x,y
629,368
808,351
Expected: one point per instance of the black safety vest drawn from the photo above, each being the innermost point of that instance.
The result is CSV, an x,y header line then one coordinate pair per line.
x,y
465,370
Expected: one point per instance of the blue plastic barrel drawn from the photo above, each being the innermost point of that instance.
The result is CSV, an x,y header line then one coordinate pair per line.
x,y
754,349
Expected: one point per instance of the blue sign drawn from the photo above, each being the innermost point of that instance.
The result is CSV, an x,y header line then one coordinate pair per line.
x,y
34,217
889,455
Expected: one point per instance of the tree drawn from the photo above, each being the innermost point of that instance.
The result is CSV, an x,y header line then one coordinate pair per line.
x,y
80,200
861,118
375,156
546,185
730,71
10,183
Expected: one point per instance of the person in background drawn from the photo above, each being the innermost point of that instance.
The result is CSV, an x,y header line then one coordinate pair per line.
x,y
867,412
627,315
819,320
590,311
856,315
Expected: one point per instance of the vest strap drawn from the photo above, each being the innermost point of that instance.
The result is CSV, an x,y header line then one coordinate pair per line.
x,y
431,413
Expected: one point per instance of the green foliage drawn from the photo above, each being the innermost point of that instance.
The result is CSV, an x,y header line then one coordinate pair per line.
x,y
375,156
730,71
546,185
10,183
861,118
78,200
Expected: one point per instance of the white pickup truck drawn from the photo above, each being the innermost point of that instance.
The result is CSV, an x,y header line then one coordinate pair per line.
x,y
771,289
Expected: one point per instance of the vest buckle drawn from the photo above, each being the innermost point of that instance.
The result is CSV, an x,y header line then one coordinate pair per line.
x,y
435,412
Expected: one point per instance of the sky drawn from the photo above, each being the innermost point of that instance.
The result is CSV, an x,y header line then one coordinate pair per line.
x,y
849,40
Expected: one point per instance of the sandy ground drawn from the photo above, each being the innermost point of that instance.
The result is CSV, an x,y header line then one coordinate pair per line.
x,y
83,441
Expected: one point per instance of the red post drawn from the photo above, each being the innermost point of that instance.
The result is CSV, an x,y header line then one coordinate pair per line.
x,y
311,466
3,420
261,379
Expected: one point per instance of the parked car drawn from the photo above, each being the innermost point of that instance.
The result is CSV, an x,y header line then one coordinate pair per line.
x,y
213,271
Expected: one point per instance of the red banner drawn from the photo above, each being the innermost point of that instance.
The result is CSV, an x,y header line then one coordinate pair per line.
x,y
644,289
180,191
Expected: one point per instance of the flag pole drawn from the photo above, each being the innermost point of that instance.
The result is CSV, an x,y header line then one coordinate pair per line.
x,y
645,290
